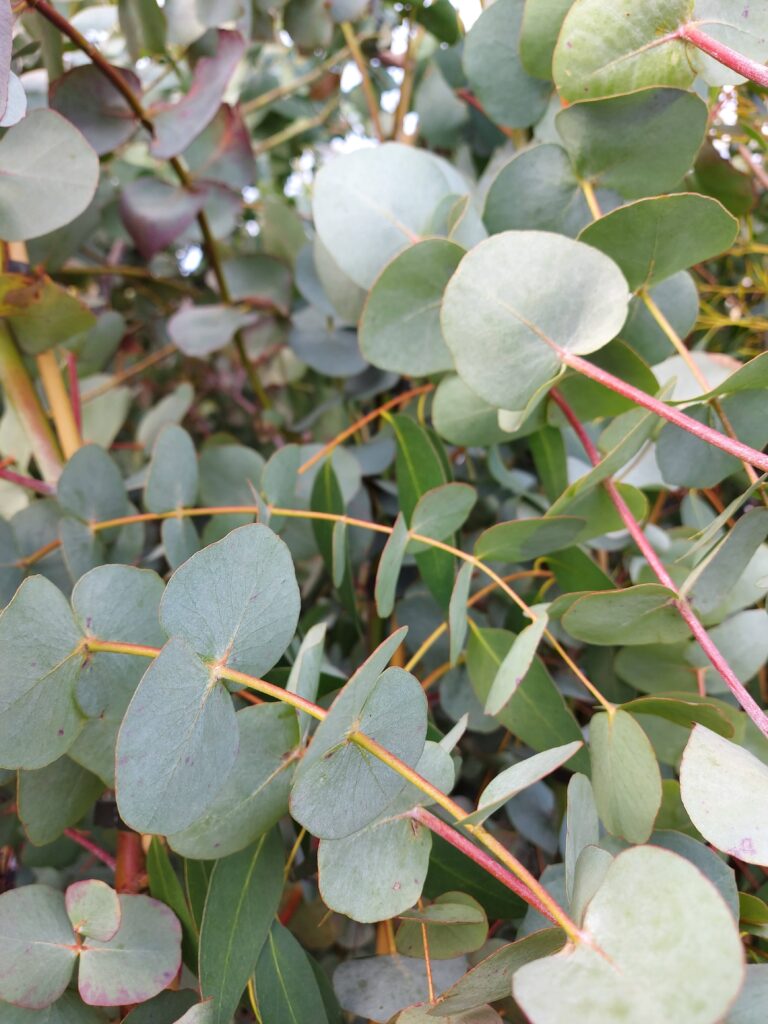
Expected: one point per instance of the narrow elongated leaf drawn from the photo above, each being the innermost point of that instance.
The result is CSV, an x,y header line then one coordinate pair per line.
x,y
725,791
490,980
455,924
443,510
582,826
285,984
304,677
523,540
457,610
517,778
242,901
388,571
515,666
644,614
625,776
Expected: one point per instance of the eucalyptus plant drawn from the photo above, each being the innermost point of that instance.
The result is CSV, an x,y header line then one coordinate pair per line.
x,y
383,544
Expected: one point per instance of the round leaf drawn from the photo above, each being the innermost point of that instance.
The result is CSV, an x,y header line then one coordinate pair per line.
x,y
518,296
667,949
48,176
400,325
37,946
93,908
725,792
235,602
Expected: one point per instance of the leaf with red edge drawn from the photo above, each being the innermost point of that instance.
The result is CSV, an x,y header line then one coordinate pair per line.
x,y
223,151
177,124
87,98
156,213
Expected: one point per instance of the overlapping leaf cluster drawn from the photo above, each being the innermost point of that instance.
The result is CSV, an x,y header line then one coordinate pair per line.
x,y
383,542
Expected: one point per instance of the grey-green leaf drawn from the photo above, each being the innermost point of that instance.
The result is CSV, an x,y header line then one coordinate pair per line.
x,y
36,946
625,776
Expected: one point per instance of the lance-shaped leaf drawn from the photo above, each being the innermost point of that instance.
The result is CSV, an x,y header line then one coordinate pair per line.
x,y
520,776
255,794
395,849
390,563
140,960
177,124
644,614
609,48
400,326
87,98
235,602
608,139
666,947
48,175
519,659
6,48
625,776
491,979
582,826
522,540
455,924
516,299
652,239
39,639
339,787
285,984
304,677
242,900
725,792
93,908
37,946
442,511
491,61
457,611
162,786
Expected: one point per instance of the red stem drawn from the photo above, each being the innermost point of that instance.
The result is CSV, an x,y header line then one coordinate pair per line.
x,y
724,54
39,486
91,847
130,866
74,390
485,861
738,449
706,643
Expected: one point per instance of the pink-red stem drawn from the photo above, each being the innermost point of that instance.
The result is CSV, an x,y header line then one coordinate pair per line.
x,y
39,486
724,54
734,447
480,857
91,847
706,643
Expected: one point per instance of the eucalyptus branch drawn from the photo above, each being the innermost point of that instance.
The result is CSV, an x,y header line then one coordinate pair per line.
x,y
363,524
362,66
719,663
725,55
516,877
734,447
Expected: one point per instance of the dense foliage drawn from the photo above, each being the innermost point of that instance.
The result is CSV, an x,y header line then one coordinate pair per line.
x,y
383,500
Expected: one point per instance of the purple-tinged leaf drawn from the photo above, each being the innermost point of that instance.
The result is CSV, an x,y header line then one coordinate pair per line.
x,y
223,152
177,124
144,956
92,103
156,213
